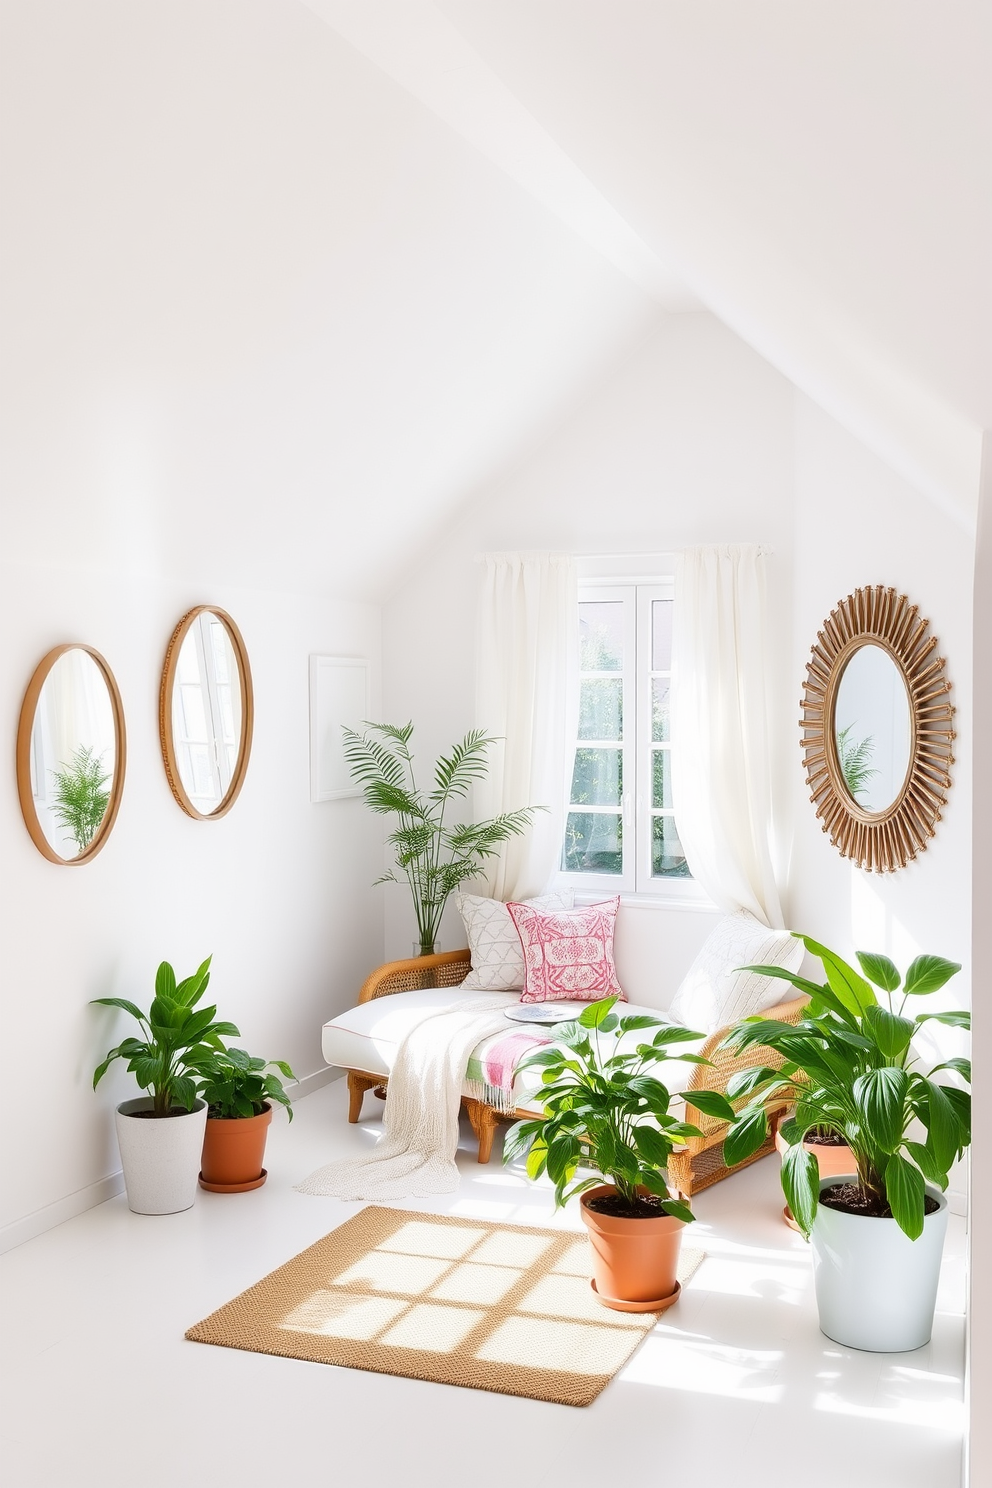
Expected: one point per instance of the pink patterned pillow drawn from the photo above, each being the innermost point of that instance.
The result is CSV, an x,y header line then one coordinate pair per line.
x,y
568,953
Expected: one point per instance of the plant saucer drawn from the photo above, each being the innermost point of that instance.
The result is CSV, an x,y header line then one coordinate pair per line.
x,y
234,1187
620,1306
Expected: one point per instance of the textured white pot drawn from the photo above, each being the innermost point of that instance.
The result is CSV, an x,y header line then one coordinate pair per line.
x,y
161,1159
875,1288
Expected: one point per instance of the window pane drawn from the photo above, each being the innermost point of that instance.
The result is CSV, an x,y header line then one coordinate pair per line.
x,y
593,843
601,636
661,635
661,780
660,698
597,778
601,709
667,858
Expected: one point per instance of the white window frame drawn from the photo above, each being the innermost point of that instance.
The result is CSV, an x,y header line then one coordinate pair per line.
x,y
635,884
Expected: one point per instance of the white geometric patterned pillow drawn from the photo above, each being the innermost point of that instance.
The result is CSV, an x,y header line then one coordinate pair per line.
x,y
497,956
714,993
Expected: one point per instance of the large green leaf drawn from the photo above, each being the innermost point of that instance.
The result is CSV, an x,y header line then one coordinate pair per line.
x,y
121,1002
880,970
745,1137
880,1097
711,1103
924,1159
960,1103
891,1034
537,1158
942,1124
928,974
906,1193
653,1147
958,1064
678,1210
846,984
801,984
954,1019
747,1081
165,982
597,1012
801,1186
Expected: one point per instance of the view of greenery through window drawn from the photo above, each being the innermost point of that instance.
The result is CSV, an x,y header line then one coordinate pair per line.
x,y
621,781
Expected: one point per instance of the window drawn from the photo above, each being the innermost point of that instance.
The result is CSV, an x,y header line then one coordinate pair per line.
x,y
620,829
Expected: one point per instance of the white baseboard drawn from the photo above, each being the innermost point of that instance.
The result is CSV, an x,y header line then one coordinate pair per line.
x,y
20,1230
313,1082
957,1202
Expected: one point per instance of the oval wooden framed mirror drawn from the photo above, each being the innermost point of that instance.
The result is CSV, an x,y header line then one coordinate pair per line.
x,y
877,729
71,754
206,712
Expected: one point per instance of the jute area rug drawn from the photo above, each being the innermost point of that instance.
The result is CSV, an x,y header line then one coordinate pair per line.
x,y
456,1301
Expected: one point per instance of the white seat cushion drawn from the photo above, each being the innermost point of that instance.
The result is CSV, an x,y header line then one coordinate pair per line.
x,y
367,1038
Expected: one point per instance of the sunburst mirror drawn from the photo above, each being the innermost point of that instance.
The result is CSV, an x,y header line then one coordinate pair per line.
x,y
877,732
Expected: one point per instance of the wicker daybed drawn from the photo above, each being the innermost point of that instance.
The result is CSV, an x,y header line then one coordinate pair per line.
x,y
699,1165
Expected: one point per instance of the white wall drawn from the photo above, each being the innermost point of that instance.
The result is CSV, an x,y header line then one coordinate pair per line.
x,y
688,441
278,890
859,523
980,1277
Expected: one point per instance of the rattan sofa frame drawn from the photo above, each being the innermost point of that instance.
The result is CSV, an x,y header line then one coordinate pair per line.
x,y
699,1165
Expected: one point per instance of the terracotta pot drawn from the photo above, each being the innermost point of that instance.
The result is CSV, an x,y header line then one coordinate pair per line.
x,y
635,1261
832,1161
233,1149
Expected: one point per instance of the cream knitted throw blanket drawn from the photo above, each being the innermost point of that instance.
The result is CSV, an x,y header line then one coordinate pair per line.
x,y
415,1155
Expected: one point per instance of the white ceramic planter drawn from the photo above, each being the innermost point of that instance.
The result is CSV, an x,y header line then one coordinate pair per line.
x,y
875,1288
161,1159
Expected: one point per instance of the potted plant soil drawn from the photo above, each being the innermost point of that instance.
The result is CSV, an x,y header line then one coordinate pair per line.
x,y
160,1134
602,1111
829,1148
238,1089
849,1064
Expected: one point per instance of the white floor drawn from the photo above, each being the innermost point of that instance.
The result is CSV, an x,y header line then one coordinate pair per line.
x,y
735,1386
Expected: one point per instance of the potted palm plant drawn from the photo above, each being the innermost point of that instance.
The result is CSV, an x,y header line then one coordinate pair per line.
x,y
434,853
850,1066
160,1134
602,1111
238,1089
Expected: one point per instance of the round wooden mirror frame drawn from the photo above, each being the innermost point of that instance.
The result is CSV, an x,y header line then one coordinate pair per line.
x,y
879,841
25,729
165,713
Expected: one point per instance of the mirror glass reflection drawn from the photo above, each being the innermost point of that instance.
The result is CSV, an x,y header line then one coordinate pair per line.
x,y
872,728
206,712
73,755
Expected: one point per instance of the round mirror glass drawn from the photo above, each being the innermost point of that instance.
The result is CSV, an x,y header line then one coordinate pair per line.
x,y
206,712
872,728
70,752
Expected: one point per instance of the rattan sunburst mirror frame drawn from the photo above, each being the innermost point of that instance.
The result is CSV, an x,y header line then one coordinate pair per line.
x,y
880,841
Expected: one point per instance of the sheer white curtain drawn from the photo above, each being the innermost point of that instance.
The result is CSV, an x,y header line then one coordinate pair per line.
x,y
721,736
527,664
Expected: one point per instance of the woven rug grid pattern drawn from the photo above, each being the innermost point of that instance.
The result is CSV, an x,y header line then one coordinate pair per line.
x,y
486,1305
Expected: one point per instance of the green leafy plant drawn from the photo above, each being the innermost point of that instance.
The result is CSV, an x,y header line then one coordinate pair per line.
x,y
79,796
850,1067
235,1084
856,760
434,854
605,1110
179,1039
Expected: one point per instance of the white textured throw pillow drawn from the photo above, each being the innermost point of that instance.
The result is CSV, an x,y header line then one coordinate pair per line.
x,y
497,956
714,994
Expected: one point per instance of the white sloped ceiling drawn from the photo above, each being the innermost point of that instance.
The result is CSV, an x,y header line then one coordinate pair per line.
x,y
819,174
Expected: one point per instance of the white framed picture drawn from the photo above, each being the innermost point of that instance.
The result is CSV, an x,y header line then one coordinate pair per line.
x,y
339,698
